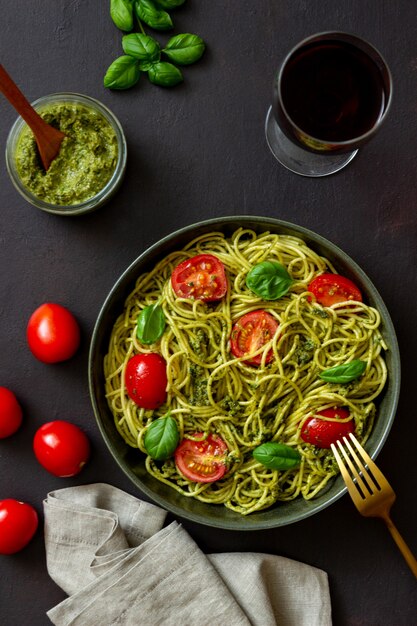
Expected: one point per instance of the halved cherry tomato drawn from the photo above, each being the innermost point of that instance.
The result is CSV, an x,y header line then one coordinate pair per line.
x,y
251,332
323,433
332,288
202,461
146,380
18,524
52,333
202,277
61,448
10,413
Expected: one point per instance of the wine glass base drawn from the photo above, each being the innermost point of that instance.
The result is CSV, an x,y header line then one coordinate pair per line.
x,y
301,161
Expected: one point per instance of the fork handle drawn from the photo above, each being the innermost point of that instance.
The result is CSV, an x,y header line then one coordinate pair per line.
x,y
404,549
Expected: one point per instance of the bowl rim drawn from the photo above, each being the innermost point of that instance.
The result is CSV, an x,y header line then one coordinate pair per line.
x,y
243,523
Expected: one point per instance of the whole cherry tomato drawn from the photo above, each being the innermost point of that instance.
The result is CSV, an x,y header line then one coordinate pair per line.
x,y
322,433
252,331
61,448
53,333
202,461
146,380
202,277
332,288
10,413
18,524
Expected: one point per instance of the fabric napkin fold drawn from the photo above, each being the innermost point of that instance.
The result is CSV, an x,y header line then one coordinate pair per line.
x,y
112,555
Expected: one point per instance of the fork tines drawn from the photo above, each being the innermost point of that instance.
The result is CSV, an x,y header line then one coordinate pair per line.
x,y
366,481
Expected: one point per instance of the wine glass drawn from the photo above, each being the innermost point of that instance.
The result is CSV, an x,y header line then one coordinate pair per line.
x,y
330,95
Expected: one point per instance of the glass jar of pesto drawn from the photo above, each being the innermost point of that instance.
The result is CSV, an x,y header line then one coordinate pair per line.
x,y
91,162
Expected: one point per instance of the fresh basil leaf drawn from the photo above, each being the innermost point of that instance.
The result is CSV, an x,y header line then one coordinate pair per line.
x,y
169,4
156,18
164,74
151,324
344,373
123,73
141,47
269,280
161,438
277,456
121,12
184,49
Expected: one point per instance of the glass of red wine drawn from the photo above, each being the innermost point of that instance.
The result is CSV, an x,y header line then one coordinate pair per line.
x,y
330,95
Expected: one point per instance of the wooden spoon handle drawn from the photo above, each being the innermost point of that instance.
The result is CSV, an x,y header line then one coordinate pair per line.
x,y
47,137
12,92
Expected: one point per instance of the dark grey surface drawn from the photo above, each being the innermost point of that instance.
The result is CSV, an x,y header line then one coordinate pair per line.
x,y
198,152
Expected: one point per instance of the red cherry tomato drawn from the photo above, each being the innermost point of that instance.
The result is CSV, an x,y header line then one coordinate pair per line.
x,y
53,333
202,461
251,332
10,413
61,448
322,433
146,380
201,278
332,288
18,524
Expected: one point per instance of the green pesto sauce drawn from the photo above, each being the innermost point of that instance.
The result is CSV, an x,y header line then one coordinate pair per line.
x,y
86,160
305,352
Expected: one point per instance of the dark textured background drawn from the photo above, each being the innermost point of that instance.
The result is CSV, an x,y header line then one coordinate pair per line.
x,y
198,152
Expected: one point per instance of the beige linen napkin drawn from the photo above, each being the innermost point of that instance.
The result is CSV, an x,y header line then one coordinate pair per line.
x,y
111,554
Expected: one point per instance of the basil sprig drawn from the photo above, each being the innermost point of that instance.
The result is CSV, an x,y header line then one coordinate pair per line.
x,y
184,49
269,280
144,51
148,12
161,438
277,456
344,373
151,324
121,12
122,73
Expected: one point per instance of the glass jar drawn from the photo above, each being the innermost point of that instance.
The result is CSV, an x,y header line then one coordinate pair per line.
x,y
101,196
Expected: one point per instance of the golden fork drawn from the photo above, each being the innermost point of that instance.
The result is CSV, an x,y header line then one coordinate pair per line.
x,y
371,493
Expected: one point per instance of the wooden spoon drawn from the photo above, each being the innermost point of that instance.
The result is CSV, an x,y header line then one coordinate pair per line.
x,y
48,139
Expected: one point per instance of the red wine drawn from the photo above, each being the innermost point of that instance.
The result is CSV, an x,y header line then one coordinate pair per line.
x,y
332,90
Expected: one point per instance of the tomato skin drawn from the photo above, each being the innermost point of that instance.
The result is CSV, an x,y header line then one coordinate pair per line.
x,y
202,461
146,380
202,277
52,333
332,288
61,448
18,523
322,433
11,413
252,331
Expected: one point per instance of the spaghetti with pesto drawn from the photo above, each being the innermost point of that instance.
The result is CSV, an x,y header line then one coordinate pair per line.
x,y
212,391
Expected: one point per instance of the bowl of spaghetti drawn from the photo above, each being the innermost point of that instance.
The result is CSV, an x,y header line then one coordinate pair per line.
x,y
255,359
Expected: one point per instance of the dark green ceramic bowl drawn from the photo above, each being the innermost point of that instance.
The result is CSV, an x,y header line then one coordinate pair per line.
x,y
132,462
